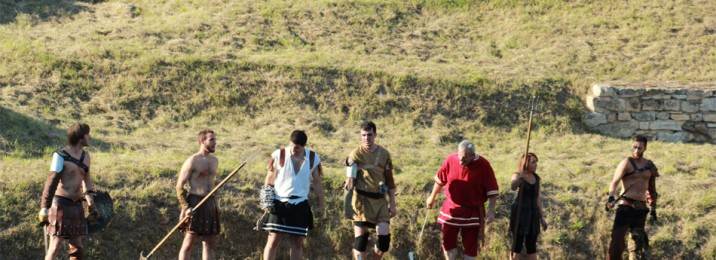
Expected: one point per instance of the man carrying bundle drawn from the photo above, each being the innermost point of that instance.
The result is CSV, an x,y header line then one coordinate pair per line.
x,y
370,171
61,208
199,170
638,177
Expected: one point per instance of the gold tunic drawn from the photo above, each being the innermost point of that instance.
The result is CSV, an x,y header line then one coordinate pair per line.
x,y
373,168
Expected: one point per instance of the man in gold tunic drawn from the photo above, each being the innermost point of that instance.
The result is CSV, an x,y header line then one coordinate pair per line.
x,y
370,177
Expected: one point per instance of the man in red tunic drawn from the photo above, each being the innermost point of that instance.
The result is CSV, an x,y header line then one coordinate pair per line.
x,y
469,181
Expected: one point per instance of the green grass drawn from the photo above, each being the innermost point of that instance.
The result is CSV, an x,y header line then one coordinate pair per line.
x,y
430,73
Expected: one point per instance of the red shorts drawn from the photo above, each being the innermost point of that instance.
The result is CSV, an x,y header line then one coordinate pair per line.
x,y
469,238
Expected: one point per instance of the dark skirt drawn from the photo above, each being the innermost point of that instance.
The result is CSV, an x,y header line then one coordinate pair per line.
x,y
290,219
67,218
205,220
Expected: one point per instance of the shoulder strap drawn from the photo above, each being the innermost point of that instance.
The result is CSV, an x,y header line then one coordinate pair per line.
x,y
311,159
282,157
633,165
66,156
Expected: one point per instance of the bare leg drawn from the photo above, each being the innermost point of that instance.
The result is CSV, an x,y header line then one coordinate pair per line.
x,y
187,246
532,257
76,252
55,243
209,247
516,256
383,228
358,232
272,245
451,254
296,247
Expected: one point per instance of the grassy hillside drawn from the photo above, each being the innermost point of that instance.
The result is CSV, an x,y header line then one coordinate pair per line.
x,y
147,75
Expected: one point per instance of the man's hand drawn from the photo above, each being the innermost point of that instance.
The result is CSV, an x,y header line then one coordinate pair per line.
x,y
544,224
652,216
393,210
610,203
184,213
348,185
490,216
42,215
429,202
320,209
93,213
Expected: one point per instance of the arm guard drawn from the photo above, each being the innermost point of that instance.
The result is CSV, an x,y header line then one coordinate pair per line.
x,y
651,195
50,187
351,170
182,195
267,195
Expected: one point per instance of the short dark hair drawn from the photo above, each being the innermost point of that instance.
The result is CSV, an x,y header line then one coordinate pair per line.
x,y
641,139
369,125
204,133
299,137
76,132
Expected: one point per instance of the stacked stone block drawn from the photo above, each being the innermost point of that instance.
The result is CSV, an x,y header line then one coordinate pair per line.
x,y
666,114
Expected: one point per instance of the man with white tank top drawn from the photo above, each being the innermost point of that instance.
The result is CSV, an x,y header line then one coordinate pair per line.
x,y
291,171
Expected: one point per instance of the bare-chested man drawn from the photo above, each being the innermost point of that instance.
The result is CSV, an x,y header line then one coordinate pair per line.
x,y
638,177
61,208
199,171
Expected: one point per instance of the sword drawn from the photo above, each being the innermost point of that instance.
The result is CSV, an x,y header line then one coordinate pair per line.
x,y
46,237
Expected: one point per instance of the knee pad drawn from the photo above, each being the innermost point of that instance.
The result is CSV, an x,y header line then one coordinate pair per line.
x,y
361,242
383,243
76,253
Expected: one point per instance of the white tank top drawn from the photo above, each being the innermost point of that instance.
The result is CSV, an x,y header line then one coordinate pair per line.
x,y
288,183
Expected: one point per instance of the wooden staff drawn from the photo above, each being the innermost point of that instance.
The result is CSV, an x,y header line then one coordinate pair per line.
x,y
516,229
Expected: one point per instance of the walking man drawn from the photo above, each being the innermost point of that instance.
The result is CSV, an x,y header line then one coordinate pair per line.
x,y
199,171
638,177
69,181
290,172
469,181
370,170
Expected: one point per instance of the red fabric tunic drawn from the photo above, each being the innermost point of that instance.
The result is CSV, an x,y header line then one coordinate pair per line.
x,y
466,188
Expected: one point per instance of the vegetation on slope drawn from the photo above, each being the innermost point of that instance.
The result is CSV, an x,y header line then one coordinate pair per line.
x,y
147,75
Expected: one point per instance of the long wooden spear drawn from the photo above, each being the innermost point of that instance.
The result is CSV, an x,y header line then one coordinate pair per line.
x,y
533,102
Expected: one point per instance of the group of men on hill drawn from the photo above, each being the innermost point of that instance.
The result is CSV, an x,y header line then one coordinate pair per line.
x,y
468,179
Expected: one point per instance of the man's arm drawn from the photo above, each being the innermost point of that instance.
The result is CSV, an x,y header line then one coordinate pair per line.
x,y
88,184
183,179
491,209
618,175
351,173
433,195
318,184
652,193
271,174
51,186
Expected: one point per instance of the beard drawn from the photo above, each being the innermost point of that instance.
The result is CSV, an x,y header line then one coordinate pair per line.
x,y
637,155
210,149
